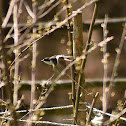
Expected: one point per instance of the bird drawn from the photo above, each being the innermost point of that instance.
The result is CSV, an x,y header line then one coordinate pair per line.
x,y
58,62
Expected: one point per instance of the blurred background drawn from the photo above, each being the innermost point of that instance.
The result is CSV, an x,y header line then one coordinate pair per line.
x,y
56,43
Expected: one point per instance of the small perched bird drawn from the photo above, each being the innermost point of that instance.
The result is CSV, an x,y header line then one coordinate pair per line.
x,y
58,62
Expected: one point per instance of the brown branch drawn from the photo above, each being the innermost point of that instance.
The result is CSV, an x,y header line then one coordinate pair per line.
x,y
77,51
7,78
81,78
70,29
91,109
90,32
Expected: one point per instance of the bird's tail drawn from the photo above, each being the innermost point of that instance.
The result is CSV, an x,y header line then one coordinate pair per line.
x,y
68,58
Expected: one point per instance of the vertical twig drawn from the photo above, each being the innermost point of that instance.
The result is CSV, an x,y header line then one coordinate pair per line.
x,y
90,32
12,27
116,64
9,89
118,55
69,28
77,51
16,66
34,55
105,61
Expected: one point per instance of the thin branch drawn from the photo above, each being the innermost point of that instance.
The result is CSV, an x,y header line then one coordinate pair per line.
x,y
95,111
43,109
91,109
118,50
88,44
116,64
33,76
9,13
115,117
110,21
45,4
29,10
66,7
98,22
51,8
16,51
49,123
67,83
105,62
